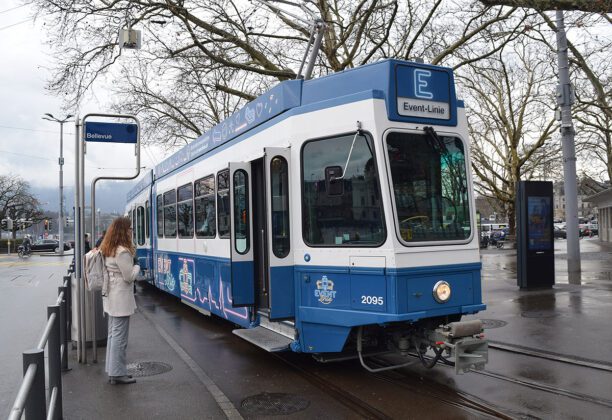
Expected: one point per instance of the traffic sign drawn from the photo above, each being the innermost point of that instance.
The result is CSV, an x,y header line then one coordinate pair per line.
x,y
110,132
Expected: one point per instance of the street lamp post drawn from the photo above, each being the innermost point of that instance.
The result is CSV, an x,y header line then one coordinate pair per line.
x,y
60,221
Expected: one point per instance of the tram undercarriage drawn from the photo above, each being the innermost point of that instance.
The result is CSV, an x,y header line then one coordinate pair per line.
x,y
445,340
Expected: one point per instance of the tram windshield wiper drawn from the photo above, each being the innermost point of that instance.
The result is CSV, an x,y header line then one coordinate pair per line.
x,y
436,142
359,132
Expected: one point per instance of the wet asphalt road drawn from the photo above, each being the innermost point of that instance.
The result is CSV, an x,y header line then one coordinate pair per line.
x,y
26,288
571,320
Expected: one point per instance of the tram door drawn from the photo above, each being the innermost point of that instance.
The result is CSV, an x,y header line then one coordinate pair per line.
x,y
260,236
241,234
279,261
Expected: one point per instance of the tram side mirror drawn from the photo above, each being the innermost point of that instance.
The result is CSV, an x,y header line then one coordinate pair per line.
x,y
334,184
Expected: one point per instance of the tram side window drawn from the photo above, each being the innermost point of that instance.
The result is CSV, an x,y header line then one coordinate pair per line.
x,y
147,218
223,204
160,216
140,218
170,214
241,216
185,211
205,214
279,176
341,203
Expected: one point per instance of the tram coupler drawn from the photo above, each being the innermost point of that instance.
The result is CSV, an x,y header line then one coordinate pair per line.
x,y
466,343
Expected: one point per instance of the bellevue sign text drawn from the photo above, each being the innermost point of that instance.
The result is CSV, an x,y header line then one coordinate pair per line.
x,y
110,132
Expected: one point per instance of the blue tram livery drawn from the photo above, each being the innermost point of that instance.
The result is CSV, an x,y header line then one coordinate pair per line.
x,y
332,216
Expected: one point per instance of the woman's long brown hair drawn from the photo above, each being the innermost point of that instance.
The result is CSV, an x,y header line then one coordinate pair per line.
x,y
117,234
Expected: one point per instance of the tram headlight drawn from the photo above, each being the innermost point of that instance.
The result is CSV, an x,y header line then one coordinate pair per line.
x,y
442,292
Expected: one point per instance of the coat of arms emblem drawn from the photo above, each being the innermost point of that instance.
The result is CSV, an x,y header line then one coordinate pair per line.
x,y
325,291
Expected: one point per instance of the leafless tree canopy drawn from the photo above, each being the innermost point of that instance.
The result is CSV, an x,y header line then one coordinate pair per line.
x,y
594,6
201,58
512,121
16,200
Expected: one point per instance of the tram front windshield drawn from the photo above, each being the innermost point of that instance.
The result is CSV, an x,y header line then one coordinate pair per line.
x,y
430,187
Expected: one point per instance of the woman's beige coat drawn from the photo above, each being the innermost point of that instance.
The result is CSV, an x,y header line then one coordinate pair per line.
x,y
122,272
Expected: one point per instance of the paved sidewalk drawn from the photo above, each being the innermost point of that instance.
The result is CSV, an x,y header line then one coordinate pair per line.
x,y
185,392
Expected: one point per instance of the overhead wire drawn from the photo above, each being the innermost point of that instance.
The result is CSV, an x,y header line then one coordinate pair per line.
x,y
33,129
13,8
15,24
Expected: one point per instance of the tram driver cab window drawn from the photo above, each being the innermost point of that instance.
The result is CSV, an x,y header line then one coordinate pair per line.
x,y
430,187
341,200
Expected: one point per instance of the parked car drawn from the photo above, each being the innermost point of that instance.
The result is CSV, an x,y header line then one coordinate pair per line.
x,y
560,233
560,225
49,245
593,228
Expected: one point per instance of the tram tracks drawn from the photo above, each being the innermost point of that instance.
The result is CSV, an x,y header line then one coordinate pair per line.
x,y
548,388
468,402
549,355
462,400
359,406
555,357
435,391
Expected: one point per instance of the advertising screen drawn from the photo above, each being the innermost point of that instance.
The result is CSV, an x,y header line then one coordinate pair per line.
x,y
539,223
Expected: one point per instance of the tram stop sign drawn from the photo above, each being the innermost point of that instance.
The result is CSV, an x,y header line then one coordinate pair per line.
x,y
102,132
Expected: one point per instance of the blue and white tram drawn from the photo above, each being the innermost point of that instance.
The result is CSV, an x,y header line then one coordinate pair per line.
x,y
333,215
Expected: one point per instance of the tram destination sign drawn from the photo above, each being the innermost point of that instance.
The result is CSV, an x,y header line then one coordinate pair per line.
x,y
102,132
423,93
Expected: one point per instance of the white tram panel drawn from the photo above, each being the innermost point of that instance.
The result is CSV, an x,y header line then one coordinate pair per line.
x,y
371,113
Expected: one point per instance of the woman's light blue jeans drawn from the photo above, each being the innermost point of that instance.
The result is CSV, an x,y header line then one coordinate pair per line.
x,y
116,345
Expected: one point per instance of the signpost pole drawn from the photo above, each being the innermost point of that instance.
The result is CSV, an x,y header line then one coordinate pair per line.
x,y
77,234
107,133
84,313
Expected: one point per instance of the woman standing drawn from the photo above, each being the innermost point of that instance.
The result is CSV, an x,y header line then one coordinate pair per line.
x,y
118,301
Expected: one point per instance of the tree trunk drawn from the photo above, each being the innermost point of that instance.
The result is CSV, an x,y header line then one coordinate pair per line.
x,y
512,219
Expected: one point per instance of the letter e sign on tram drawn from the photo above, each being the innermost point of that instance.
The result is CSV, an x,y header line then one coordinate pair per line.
x,y
111,132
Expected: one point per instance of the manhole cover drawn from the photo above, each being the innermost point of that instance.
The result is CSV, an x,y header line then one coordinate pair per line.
x,y
140,369
270,404
488,324
539,314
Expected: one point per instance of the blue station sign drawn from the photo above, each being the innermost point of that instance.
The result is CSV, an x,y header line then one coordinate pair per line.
x,y
110,132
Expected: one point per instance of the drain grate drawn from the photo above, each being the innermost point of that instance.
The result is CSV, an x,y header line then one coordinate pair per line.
x,y
539,314
271,404
140,369
488,324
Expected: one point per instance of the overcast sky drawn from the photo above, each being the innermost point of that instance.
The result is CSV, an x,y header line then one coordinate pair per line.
x,y
29,145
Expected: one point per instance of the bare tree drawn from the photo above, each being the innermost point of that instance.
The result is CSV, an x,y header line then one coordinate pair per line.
x,y
593,6
17,202
590,71
511,121
203,58
594,138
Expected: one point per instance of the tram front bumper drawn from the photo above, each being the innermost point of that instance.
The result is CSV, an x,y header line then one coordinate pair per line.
x,y
465,343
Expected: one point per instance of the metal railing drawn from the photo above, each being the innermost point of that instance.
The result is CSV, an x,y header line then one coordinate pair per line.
x,y
31,398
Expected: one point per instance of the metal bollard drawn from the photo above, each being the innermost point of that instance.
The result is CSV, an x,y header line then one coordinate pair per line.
x,y
68,297
55,360
35,405
64,328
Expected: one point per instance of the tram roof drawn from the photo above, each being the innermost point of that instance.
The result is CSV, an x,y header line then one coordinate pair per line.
x,y
388,79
